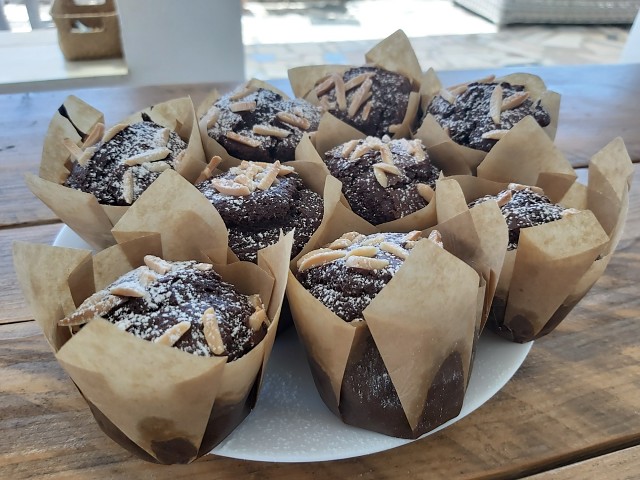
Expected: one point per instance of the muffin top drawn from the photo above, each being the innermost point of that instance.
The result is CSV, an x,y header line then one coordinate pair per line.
x,y
260,125
368,98
383,179
182,304
257,200
125,161
478,114
524,206
347,274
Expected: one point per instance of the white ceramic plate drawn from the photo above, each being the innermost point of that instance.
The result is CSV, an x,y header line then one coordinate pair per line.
x,y
291,423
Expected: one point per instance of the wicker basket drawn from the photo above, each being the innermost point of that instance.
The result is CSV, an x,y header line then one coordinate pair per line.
x,y
505,12
87,32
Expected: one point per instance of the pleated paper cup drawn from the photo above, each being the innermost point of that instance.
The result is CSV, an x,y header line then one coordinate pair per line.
x,y
556,263
404,370
160,403
82,211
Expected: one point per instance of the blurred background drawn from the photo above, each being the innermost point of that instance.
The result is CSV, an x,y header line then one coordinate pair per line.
x,y
199,40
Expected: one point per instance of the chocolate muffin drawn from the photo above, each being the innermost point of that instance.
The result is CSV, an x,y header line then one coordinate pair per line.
x,y
370,99
258,200
182,304
523,206
347,274
125,161
260,125
383,179
478,114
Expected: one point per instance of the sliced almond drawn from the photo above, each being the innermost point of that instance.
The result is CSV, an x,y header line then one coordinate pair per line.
x,y
270,175
447,96
366,110
203,267
348,147
74,149
96,305
243,107
495,104
162,137
113,131
268,130
95,135
394,249
211,330
249,142
394,127
255,301
128,186
227,187
157,264
148,156
515,100
366,263
212,117
363,251
86,155
128,289
311,254
246,90
285,170
504,198
381,177
519,186
209,169
339,244
341,94
487,79
147,277
156,167
412,236
325,86
494,134
353,236
374,240
357,80
414,147
385,154
459,90
387,168
425,191
359,97
320,258
293,120
436,238
257,318
360,150
173,334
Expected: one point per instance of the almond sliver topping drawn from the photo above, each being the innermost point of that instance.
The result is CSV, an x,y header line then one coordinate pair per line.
x,y
311,254
268,130
385,154
374,241
157,264
208,170
242,107
95,135
293,120
173,334
363,251
212,117
156,167
394,249
320,258
494,134
227,187
366,110
366,263
436,238
381,177
257,318
339,244
128,186
249,142
357,80
96,305
515,100
243,93
211,330
128,289
148,156
387,168
425,191
86,155
460,89
495,104
271,172
325,86
447,96
504,198
359,97
74,149
341,94
394,127
412,236
352,236
113,131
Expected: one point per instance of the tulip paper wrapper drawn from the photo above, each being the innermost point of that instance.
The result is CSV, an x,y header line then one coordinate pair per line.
x,y
455,159
79,210
160,403
394,54
404,371
556,263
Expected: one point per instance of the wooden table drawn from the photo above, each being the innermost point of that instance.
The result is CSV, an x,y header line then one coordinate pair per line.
x,y
571,411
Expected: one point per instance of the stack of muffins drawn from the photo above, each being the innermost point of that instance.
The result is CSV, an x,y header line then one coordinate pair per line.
x,y
401,216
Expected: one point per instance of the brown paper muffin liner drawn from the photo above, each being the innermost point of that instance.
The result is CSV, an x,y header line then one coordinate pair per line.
x,y
211,146
556,263
455,159
419,332
79,210
394,54
160,403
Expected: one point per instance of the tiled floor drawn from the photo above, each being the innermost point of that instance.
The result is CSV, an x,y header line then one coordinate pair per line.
x,y
282,34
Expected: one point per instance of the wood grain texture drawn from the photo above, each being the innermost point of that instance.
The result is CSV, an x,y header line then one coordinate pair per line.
x,y
14,308
575,397
622,465
595,108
